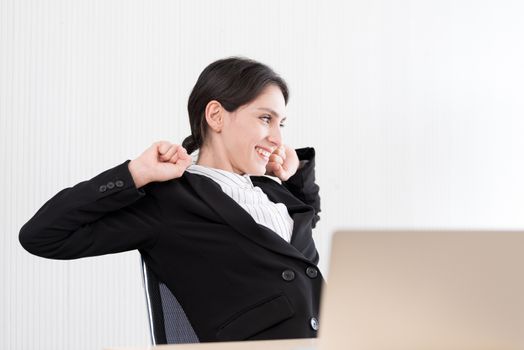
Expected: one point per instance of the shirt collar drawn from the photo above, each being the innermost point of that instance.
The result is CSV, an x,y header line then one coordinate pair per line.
x,y
222,177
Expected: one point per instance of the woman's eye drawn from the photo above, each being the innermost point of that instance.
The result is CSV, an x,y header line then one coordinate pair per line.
x,y
266,119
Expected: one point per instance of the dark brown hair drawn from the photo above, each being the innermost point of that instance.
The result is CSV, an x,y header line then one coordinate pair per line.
x,y
234,82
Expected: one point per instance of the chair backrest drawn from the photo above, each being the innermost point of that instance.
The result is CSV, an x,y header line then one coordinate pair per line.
x,y
168,322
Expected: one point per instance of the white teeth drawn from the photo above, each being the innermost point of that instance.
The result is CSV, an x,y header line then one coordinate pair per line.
x,y
263,152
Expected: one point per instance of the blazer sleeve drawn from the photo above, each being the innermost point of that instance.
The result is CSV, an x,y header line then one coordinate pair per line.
x,y
106,214
302,185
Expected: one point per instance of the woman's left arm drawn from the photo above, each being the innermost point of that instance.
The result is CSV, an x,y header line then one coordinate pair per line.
x,y
302,184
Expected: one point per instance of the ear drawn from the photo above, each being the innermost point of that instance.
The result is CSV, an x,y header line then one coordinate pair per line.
x,y
215,115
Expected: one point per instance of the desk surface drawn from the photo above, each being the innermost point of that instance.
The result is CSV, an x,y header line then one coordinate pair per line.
x,y
287,344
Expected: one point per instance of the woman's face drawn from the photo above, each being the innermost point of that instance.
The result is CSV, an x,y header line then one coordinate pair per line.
x,y
253,131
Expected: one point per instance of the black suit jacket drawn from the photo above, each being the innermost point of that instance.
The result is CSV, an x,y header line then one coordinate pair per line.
x,y
234,278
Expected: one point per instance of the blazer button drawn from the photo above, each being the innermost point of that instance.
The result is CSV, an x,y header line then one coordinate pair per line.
x,y
288,275
311,272
110,185
102,188
119,183
313,322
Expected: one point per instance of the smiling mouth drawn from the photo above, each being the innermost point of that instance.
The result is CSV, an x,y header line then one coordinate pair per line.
x,y
263,153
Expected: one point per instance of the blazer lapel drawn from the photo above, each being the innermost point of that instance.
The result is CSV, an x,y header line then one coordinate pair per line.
x,y
302,214
238,218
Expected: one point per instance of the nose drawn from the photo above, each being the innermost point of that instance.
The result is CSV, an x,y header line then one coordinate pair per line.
x,y
275,135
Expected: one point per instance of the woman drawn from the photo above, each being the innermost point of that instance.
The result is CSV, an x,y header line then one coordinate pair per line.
x,y
235,247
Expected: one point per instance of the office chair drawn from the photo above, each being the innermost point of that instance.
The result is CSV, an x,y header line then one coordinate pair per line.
x,y
168,322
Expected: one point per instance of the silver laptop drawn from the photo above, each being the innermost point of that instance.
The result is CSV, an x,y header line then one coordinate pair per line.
x,y
424,290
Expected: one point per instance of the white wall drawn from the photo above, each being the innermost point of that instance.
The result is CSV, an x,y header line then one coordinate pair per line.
x,y
425,99
414,107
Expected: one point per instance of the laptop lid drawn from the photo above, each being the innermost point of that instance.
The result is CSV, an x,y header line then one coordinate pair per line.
x,y
424,290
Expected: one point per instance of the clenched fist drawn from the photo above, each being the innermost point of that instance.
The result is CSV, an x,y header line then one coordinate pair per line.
x,y
283,163
162,161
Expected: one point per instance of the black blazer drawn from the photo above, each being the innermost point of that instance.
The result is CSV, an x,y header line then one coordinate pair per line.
x,y
234,278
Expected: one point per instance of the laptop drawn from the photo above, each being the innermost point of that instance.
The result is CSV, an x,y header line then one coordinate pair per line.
x,y
424,290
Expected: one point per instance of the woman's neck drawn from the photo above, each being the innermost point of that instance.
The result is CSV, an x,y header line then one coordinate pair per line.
x,y
213,158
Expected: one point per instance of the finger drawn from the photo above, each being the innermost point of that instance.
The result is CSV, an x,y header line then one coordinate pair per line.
x,y
169,154
282,173
174,158
278,151
185,162
181,151
276,158
163,147
181,158
182,162
282,152
182,154
273,167
278,170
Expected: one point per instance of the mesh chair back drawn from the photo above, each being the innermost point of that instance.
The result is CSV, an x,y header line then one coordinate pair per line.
x,y
168,322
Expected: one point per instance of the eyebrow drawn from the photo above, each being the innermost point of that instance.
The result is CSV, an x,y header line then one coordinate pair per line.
x,y
272,112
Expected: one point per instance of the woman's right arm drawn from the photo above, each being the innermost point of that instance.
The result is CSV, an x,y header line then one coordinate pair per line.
x,y
108,214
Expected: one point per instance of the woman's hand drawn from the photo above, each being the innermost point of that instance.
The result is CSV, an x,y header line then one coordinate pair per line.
x,y
162,161
283,163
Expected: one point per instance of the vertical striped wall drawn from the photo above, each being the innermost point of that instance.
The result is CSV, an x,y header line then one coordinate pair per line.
x,y
415,109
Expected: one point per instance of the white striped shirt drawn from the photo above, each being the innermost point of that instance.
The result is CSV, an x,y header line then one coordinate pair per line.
x,y
251,198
